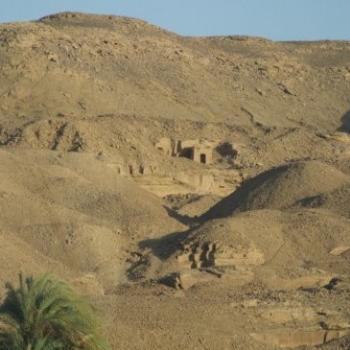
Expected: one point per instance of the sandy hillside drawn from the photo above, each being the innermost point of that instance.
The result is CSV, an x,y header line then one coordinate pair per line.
x,y
197,190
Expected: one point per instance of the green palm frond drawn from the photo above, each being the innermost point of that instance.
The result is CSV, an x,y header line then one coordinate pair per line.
x,y
46,314
48,344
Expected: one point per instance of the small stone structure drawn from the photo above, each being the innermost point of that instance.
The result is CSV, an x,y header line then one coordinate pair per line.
x,y
197,150
200,151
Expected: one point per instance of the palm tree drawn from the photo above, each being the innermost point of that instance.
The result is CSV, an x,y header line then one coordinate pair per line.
x,y
45,314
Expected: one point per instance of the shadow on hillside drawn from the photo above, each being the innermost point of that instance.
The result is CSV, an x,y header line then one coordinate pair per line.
x,y
165,246
345,121
184,219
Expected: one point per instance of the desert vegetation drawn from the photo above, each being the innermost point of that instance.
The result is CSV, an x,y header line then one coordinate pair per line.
x,y
44,313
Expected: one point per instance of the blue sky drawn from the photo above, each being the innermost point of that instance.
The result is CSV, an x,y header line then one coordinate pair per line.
x,y
274,19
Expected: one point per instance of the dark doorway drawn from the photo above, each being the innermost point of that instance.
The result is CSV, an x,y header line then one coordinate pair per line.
x,y
345,122
203,158
187,153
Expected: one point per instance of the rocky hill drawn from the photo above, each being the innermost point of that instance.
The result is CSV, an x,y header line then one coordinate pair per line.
x,y
196,189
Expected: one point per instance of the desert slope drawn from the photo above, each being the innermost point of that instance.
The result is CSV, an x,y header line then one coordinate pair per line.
x,y
83,65
282,187
77,211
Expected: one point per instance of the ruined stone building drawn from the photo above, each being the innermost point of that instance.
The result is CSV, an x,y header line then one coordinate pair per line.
x,y
200,151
